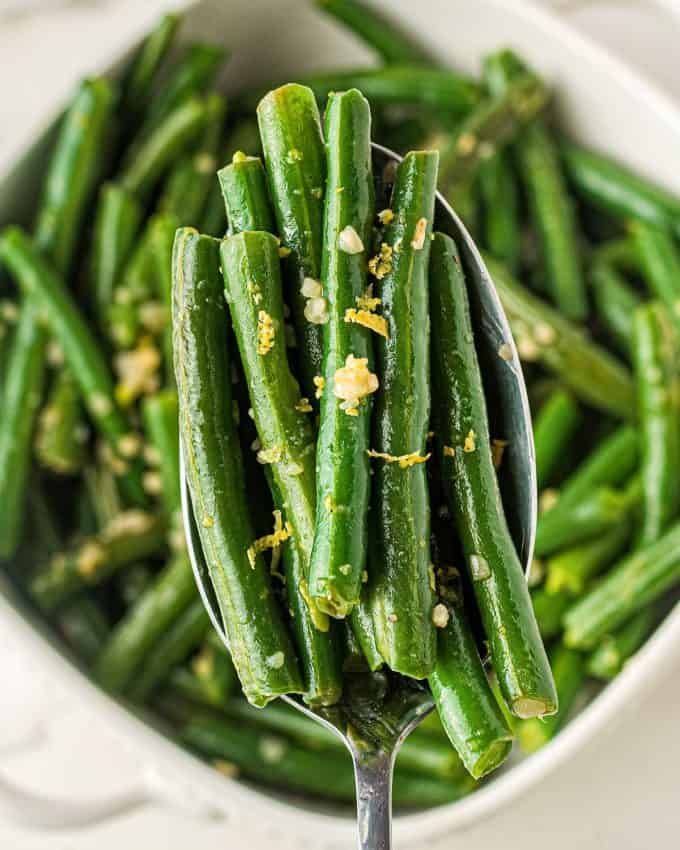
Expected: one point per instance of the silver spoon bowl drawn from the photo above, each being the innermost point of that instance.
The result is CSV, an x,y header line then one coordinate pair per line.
x,y
379,710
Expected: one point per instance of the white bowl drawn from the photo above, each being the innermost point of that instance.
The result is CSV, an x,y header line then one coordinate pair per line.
x,y
277,39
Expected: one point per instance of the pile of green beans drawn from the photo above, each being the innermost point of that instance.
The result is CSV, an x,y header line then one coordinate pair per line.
x,y
336,394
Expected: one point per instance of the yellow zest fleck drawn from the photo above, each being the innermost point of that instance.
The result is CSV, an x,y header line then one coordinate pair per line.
x,y
239,156
345,569
319,383
392,618
367,301
404,461
254,291
470,445
385,216
353,382
272,455
266,332
272,541
449,451
364,577
431,576
303,406
317,192
497,450
208,522
328,502
418,240
372,321
295,155
284,252
397,245
339,190
381,264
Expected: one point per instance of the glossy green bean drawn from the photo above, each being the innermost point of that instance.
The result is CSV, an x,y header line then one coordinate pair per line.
x,y
338,557
656,352
501,214
556,424
61,434
570,570
259,643
160,413
615,304
471,485
549,609
615,650
660,263
246,198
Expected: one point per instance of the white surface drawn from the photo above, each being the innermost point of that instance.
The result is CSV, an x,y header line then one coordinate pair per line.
x,y
618,792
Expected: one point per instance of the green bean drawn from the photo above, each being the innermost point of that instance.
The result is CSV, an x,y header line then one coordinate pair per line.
x,y
275,760
161,421
84,627
246,198
259,643
294,156
556,424
470,481
72,175
615,650
186,190
61,434
500,200
146,164
634,583
656,353
543,335
161,234
568,668
361,624
615,304
342,466
193,73
570,570
549,609
131,536
380,33
250,265
144,624
615,189
595,514
81,351
467,707
116,225
550,204
215,671
141,74
399,591
488,128
177,642
660,263
438,89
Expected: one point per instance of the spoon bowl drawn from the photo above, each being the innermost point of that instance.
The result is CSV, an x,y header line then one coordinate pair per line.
x,y
379,710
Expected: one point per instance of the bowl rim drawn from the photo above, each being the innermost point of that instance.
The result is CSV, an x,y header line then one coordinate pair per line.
x,y
236,798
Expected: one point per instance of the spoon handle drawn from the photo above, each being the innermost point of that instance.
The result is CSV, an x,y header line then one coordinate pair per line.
x,y
373,777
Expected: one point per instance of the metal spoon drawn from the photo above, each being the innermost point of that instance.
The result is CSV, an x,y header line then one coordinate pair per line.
x,y
379,710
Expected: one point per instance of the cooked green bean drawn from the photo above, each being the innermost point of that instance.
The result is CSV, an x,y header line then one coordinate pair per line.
x,y
161,235
131,536
361,624
660,263
250,265
615,189
543,335
61,433
84,627
549,609
610,657
550,204
467,707
488,128
145,165
399,590
259,643
116,225
570,570
469,477
185,634
656,352
215,672
568,668
186,190
290,128
140,76
338,557
615,304
81,351
390,42
634,583
161,422
144,623
246,198
557,422
500,201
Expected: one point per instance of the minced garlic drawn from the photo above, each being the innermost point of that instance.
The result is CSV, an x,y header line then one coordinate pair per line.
x,y
316,311
352,382
440,615
372,321
272,455
385,216
255,291
404,461
311,288
470,442
418,240
349,241
303,406
266,331
319,383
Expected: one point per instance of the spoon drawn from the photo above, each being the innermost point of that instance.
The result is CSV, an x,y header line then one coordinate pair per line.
x,y
379,710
